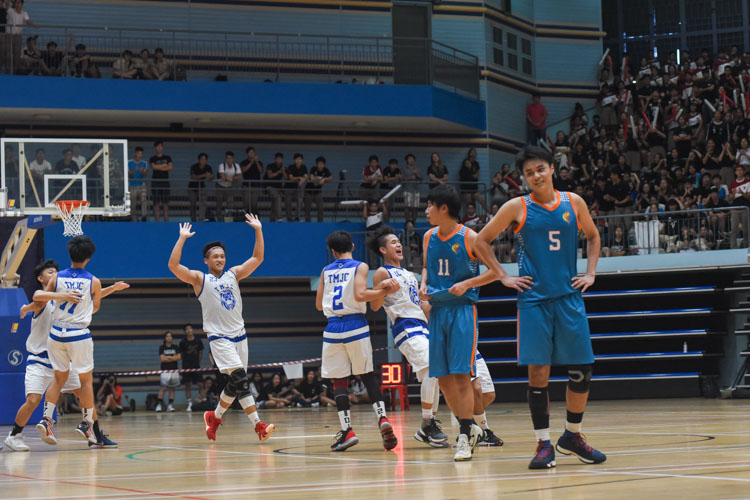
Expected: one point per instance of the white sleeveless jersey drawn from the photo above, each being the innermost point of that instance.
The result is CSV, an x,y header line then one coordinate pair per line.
x,y
338,289
405,302
74,316
221,303
36,343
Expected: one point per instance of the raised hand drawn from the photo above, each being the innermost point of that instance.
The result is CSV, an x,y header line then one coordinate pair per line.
x,y
253,221
185,232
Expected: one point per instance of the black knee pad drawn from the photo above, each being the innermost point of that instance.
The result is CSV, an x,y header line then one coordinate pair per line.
x,y
239,383
579,378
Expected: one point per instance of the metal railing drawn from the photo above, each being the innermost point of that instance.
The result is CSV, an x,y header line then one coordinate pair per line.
x,y
253,56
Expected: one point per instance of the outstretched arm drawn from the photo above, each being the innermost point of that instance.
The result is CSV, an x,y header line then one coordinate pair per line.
x,y
246,268
120,285
363,294
184,274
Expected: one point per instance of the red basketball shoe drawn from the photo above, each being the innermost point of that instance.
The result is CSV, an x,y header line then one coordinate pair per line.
x,y
212,424
264,431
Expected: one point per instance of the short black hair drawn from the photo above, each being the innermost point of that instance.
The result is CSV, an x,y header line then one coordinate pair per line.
x,y
156,143
373,157
51,43
278,155
393,161
406,158
80,46
81,248
47,264
320,159
208,246
187,325
202,155
377,239
229,153
447,195
533,153
158,49
138,148
249,148
339,241
536,94
298,155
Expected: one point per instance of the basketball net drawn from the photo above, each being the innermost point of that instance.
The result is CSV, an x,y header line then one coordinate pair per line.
x,y
71,212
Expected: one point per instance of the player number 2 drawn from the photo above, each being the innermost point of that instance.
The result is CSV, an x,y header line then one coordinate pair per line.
x,y
443,271
337,291
72,307
554,238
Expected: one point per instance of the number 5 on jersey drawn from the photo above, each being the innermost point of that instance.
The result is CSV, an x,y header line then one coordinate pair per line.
x,y
554,238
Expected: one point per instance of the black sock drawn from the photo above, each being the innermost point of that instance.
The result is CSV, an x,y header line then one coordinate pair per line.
x,y
575,418
97,431
539,407
171,400
17,429
341,396
372,384
465,425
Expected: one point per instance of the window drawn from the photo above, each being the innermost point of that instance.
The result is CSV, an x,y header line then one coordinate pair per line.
x,y
513,61
526,46
498,57
512,41
698,15
728,14
526,65
497,36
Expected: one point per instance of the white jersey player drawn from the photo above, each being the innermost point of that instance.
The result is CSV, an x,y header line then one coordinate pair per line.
x,y
218,292
342,295
484,395
409,328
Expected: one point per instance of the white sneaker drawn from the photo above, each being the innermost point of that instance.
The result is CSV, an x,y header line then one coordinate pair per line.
x,y
170,407
158,407
463,450
190,406
315,405
476,433
16,443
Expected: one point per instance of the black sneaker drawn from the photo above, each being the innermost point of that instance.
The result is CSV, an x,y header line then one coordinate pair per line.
x,y
490,439
87,432
103,442
433,435
345,439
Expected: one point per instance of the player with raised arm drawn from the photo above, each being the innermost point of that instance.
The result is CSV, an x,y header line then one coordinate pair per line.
x,y
218,292
409,327
342,296
450,281
70,347
552,325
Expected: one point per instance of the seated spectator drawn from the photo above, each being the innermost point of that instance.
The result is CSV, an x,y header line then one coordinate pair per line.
x,y
256,389
39,166
372,175
278,394
499,187
55,63
81,65
169,354
471,218
163,69
124,67
308,391
109,396
319,176
31,58
358,391
618,246
66,165
146,69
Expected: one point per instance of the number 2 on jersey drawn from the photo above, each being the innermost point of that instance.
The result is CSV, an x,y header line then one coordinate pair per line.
x,y
443,271
337,291
72,307
554,238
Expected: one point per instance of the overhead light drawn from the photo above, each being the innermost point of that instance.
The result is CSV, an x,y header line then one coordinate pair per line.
x,y
43,116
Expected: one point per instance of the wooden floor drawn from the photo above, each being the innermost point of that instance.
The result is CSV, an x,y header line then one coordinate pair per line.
x,y
667,449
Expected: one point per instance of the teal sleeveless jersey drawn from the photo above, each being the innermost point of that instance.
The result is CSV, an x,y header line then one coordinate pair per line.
x,y
450,261
547,249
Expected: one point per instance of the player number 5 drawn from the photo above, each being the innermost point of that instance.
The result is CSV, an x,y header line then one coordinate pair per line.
x,y
554,238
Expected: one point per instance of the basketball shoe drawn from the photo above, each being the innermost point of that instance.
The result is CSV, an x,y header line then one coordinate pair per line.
x,y
46,428
463,449
476,435
574,443
344,440
386,431
544,457
432,434
264,431
212,424
103,441
86,431
490,439
16,443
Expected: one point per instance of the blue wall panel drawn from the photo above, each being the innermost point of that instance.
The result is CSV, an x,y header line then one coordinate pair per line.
x,y
567,61
556,12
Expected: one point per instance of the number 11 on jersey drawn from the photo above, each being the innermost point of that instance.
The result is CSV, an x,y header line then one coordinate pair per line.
x,y
443,269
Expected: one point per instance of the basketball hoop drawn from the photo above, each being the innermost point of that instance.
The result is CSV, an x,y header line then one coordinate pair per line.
x,y
71,212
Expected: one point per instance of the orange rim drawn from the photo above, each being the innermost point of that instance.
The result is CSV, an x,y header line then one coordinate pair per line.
x,y
67,205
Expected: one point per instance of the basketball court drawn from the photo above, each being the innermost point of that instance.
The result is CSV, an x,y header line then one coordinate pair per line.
x,y
691,448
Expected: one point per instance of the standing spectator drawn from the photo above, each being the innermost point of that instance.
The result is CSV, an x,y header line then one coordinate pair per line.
x,y
77,156
230,176
169,356
124,67
739,196
191,352
66,166
31,58
391,178
469,175
162,68
372,175
297,178
621,192
604,203
413,245
562,180
81,65
55,63
536,117
314,189
39,167
437,172
137,168
161,164
16,19
252,171
199,173
718,130
411,188
273,180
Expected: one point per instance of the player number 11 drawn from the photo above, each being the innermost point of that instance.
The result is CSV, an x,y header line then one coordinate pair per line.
x,y
443,271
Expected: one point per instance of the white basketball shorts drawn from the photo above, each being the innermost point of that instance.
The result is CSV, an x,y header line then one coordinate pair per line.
x,y
75,355
39,376
171,379
416,350
483,374
229,353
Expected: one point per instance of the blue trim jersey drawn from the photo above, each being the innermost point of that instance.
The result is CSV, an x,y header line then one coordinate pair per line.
x,y
70,321
548,247
338,289
450,261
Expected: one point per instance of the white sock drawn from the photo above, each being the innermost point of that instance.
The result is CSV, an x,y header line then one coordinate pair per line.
x,y
88,415
379,408
219,411
427,414
481,420
542,434
254,418
345,419
573,427
49,409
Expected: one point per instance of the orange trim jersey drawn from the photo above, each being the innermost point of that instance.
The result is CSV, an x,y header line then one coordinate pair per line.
x,y
449,261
